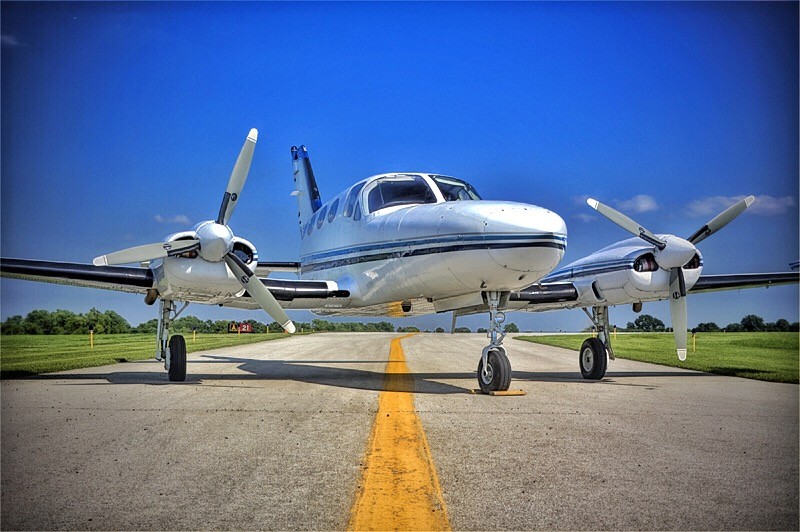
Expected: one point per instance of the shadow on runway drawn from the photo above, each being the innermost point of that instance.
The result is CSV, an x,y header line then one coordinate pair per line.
x,y
320,372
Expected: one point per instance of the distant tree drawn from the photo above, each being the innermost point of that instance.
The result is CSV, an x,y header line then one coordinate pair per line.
x,y
115,324
707,327
511,328
462,330
646,322
439,330
481,330
783,325
751,323
38,322
410,329
630,326
794,327
733,327
149,327
13,325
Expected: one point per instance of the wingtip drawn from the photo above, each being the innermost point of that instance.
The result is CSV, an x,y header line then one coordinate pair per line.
x,y
681,354
593,203
289,327
749,200
102,260
253,135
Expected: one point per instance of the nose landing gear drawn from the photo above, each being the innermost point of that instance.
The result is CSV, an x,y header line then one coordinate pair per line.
x,y
494,368
593,359
171,350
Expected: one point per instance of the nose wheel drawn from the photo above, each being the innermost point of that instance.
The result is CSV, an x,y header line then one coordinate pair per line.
x,y
495,374
494,368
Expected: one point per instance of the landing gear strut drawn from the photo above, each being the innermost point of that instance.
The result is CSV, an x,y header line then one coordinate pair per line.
x,y
592,357
494,369
171,350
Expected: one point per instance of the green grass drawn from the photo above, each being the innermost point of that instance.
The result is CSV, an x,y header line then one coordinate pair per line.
x,y
23,355
768,356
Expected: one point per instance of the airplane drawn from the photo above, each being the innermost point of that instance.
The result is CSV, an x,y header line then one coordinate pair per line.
x,y
407,244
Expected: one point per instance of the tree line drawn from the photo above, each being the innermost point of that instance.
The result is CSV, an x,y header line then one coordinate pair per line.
x,y
750,323
109,322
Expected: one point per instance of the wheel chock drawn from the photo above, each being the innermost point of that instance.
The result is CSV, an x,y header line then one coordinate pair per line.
x,y
506,393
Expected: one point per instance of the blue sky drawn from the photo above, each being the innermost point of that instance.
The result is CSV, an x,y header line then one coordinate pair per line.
x,y
121,123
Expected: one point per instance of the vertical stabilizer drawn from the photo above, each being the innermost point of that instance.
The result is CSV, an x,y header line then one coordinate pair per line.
x,y
305,185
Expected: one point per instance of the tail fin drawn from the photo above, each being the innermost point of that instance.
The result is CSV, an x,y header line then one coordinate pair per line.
x,y
305,186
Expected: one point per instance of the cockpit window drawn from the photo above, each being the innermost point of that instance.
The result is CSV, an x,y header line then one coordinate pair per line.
x,y
454,189
399,190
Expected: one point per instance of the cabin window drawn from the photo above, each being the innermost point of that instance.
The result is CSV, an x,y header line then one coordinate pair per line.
x,y
399,190
357,212
311,222
350,203
454,189
334,208
321,219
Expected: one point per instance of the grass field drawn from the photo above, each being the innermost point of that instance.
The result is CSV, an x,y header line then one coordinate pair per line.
x,y
22,355
768,356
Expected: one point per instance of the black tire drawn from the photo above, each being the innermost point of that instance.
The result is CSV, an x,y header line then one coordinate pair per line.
x,y
177,358
592,359
499,377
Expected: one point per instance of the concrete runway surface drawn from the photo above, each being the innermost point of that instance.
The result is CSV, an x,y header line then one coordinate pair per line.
x,y
275,436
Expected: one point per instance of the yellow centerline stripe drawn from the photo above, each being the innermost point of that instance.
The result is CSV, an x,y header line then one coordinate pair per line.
x,y
399,487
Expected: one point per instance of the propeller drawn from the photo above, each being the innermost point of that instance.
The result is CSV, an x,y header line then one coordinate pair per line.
x,y
721,220
237,179
671,254
214,242
159,250
258,291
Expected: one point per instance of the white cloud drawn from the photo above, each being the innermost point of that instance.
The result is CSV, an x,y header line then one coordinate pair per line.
x,y
177,219
764,205
638,204
10,40
586,218
580,200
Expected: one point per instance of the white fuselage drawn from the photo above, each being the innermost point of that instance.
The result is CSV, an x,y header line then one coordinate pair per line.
x,y
429,251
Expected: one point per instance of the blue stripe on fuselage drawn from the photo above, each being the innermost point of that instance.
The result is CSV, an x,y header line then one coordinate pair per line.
x,y
408,248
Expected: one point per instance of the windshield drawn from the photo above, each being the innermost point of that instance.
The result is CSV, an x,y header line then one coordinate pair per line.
x,y
454,189
399,190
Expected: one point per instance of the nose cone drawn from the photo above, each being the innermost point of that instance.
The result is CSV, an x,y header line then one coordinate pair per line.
x,y
676,253
524,238
215,241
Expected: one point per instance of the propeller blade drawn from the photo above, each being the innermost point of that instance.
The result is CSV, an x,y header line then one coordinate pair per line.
x,y
626,223
677,309
147,252
259,292
237,179
721,220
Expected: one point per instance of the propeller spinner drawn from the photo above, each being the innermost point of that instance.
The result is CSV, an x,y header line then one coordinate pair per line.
x,y
214,242
671,254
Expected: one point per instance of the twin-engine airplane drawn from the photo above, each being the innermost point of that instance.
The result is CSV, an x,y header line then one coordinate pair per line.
x,y
405,244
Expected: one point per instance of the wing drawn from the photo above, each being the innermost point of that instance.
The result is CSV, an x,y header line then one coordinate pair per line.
x,y
290,293
553,296
735,281
119,278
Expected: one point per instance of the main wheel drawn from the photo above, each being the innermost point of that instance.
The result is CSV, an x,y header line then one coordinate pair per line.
x,y
593,359
498,372
177,358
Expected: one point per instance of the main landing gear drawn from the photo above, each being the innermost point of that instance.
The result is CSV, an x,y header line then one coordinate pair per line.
x,y
494,369
592,357
171,350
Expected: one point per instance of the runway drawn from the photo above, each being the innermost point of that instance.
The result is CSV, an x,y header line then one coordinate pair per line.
x,y
279,435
